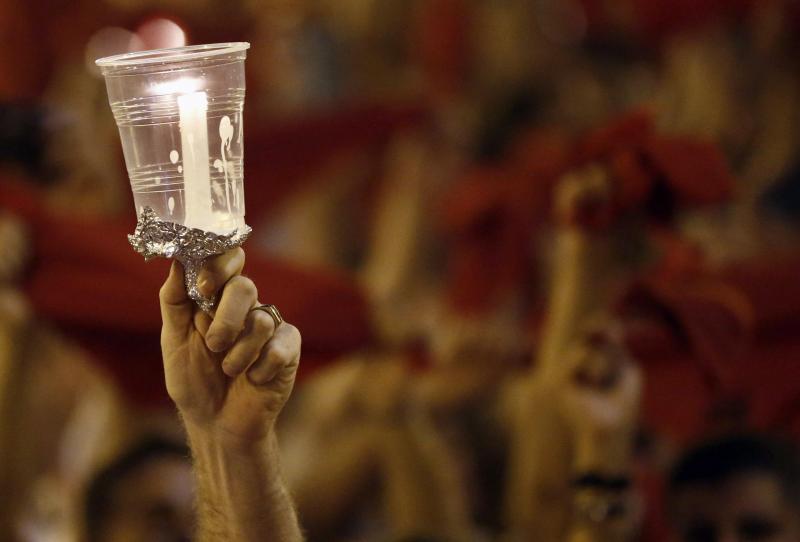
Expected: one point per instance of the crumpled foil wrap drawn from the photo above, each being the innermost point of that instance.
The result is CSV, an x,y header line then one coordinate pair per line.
x,y
155,237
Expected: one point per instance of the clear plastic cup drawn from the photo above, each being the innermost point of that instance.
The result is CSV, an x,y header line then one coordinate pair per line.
x,y
179,113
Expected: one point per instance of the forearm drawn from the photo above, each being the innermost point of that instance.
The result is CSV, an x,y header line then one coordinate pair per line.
x,y
423,493
241,496
578,272
537,490
397,230
15,338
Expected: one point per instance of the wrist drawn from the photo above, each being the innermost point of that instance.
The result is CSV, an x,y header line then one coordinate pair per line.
x,y
210,440
240,491
225,467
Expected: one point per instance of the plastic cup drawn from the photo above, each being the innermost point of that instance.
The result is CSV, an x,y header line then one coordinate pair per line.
x,y
179,114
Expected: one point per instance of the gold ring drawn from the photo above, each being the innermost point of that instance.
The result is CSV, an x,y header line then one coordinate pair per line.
x,y
273,311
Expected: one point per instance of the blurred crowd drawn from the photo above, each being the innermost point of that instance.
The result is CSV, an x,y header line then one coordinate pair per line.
x,y
543,254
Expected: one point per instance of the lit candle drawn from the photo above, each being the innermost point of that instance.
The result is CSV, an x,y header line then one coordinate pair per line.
x,y
192,108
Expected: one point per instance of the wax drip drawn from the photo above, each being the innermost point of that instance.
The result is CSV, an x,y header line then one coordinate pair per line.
x,y
226,136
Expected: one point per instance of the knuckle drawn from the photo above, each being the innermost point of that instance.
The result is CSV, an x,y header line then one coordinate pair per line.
x,y
238,257
298,342
243,285
233,365
262,323
278,355
294,334
257,377
259,372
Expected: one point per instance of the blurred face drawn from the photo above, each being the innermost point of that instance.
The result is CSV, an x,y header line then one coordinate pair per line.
x,y
601,354
153,504
747,508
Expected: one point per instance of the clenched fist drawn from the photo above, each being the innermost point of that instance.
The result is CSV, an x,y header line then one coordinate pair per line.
x,y
229,373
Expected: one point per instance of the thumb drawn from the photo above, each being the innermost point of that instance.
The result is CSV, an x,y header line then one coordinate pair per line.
x,y
176,307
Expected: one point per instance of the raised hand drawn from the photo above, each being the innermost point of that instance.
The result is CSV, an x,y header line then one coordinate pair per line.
x,y
583,198
229,374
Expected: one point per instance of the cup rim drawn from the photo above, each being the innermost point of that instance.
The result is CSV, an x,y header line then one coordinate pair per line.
x,y
175,54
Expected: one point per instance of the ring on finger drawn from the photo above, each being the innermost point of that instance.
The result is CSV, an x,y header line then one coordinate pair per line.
x,y
273,311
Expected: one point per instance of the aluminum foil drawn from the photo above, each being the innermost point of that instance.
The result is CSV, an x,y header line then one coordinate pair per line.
x,y
154,237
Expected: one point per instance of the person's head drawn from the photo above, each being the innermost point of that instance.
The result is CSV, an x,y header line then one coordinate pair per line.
x,y
145,495
737,489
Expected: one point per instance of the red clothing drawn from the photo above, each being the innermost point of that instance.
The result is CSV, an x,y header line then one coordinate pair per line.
x,y
441,42
87,280
725,333
282,157
654,21
725,352
655,172
493,214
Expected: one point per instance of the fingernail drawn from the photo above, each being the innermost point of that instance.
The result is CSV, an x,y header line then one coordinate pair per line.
x,y
205,286
215,343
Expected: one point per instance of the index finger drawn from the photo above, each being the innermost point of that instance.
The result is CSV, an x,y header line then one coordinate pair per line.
x,y
218,270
